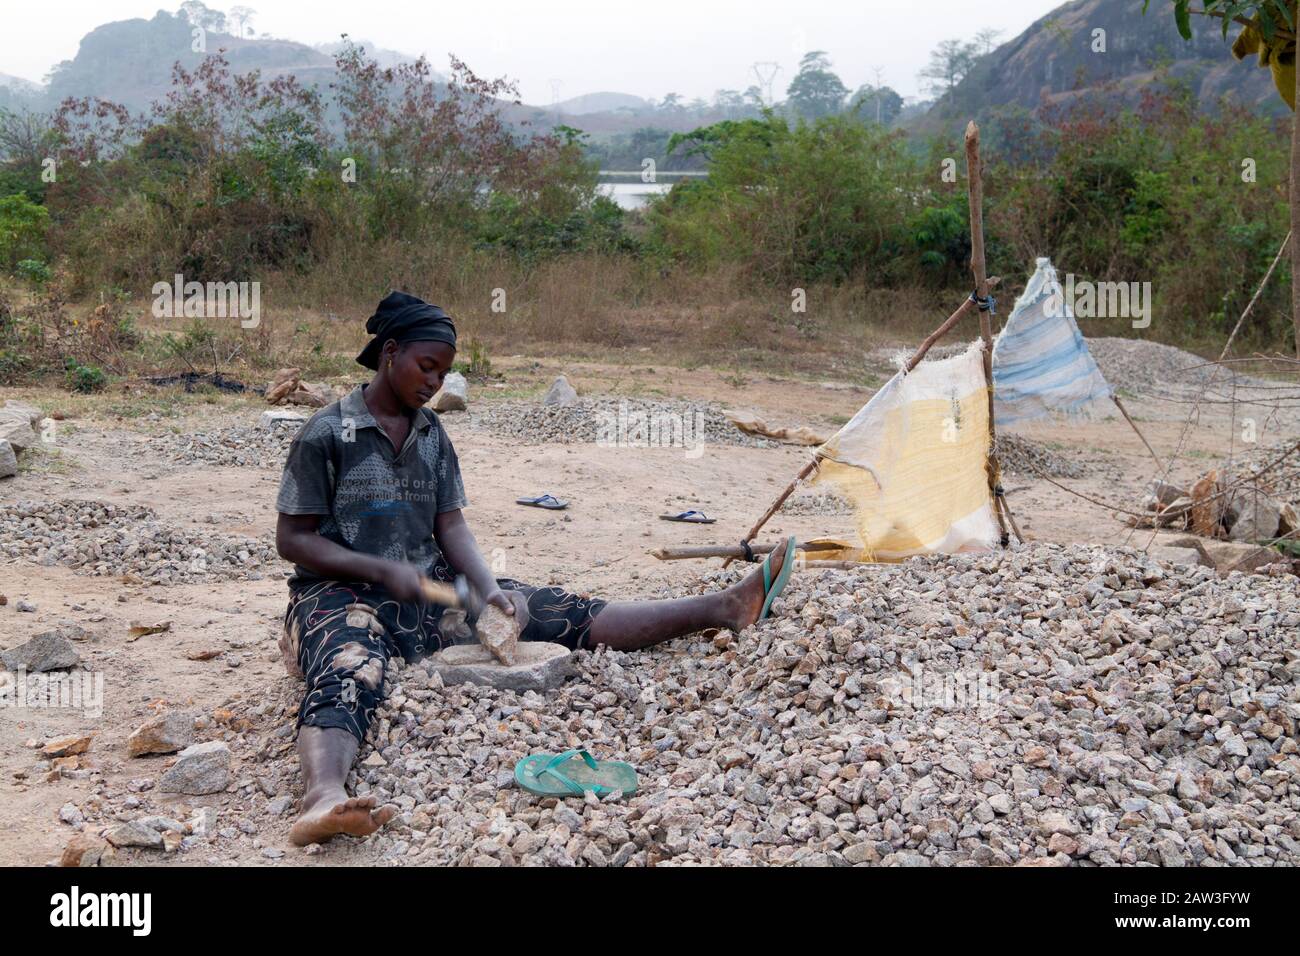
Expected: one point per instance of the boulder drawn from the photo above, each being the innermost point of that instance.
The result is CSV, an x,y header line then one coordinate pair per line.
x,y
1253,516
200,769
163,734
560,393
1188,557
84,851
21,411
538,666
18,433
313,394
50,651
282,383
454,394
1229,556
133,833
8,460
281,417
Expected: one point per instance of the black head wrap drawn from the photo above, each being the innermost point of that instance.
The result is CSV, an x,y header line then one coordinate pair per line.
x,y
405,318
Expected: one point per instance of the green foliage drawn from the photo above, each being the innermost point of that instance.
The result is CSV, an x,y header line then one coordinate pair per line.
x,y
802,203
33,270
84,378
22,229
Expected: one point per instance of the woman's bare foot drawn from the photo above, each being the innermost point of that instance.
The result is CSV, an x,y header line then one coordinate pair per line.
x,y
747,596
334,812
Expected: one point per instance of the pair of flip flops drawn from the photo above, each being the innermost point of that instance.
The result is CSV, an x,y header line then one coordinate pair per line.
x,y
574,773
549,502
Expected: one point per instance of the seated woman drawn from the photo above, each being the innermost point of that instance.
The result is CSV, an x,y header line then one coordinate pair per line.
x,y
369,506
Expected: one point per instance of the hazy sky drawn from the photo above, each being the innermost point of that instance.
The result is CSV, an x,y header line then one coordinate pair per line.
x,y
643,48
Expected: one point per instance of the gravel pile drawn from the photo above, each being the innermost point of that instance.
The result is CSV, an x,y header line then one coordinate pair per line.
x,y
1283,480
1019,455
1144,367
636,423
250,446
1037,707
104,539
816,503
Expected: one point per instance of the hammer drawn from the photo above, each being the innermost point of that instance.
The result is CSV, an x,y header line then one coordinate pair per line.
x,y
496,630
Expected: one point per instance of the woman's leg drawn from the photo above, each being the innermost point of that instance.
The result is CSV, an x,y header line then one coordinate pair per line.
x,y
341,653
629,625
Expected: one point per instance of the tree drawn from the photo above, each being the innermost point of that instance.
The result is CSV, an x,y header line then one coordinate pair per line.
x,y
672,103
242,18
200,15
879,103
816,91
1269,29
949,62
986,41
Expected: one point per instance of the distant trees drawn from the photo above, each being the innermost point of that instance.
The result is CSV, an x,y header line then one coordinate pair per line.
x,y
949,62
816,91
879,103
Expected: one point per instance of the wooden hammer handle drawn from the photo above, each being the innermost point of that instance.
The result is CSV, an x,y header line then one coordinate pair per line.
x,y
439,592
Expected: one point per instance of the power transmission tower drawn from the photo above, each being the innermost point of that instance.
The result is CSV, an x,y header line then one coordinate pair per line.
x,y
766,72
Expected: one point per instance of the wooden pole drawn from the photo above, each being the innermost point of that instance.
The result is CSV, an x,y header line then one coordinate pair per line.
x,y
1255,298
735,550
780,499
975,199
1124,411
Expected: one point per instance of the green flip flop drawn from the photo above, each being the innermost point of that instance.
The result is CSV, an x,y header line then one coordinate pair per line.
x,y
564,776
773,588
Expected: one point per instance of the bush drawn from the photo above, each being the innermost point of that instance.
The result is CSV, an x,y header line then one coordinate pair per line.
x,y
22,230
33,270
84,378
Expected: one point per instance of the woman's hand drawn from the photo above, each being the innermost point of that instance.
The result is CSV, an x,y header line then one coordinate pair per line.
x,y
512,603
403,581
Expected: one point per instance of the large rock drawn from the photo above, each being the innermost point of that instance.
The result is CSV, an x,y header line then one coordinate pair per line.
x,y
22,412
200,769
498,633
1229,556
134,833
18,433
8,460
50,651
1255,516
1189,557
560,393
84,851
539,666
281,417
454,394
163,734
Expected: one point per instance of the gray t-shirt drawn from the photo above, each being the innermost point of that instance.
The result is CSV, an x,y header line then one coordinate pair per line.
x,y
342,466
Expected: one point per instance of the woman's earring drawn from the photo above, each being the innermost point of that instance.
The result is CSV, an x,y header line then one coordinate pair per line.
x,y
390,365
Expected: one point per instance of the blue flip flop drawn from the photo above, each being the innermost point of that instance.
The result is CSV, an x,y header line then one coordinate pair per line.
x,y
541,774
773,588
549,502
690,517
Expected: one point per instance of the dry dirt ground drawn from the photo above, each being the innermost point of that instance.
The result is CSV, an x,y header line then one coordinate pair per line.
x,y
600,545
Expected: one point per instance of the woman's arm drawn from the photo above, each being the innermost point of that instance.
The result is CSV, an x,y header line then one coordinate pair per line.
x,y
462,553
296,540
